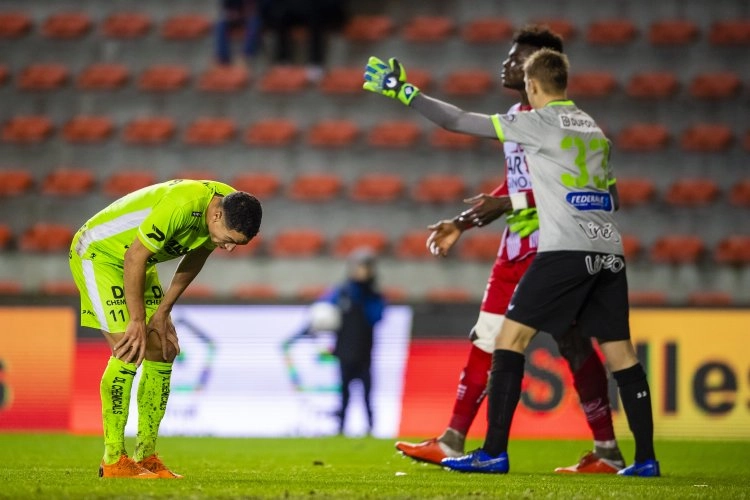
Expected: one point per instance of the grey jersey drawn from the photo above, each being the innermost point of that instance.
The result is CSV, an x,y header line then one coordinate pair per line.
x,y
568,157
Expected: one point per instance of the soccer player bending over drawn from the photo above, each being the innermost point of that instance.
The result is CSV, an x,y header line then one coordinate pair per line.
x,y
113,259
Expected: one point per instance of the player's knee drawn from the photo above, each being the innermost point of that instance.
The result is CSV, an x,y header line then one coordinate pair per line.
x,y
574,348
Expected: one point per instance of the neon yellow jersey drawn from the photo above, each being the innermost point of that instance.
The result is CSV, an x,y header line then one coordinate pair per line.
x,y
168,218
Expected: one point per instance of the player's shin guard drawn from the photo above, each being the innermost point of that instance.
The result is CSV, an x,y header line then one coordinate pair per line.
x,y
636,401
590,381
504,391
153,394
115,386
471,390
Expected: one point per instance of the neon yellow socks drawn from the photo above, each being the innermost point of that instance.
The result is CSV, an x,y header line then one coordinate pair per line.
x,y
153,394
115,393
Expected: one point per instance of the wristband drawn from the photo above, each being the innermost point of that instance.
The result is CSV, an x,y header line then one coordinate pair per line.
x,y
519,201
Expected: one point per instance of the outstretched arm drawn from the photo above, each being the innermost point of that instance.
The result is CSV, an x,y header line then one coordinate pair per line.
x,y
454,118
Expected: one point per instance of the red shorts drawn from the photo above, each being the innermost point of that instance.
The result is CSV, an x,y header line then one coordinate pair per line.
x,y
502,282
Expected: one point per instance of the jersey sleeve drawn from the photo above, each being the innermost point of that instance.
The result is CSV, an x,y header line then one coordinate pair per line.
x,y
521,128
165,220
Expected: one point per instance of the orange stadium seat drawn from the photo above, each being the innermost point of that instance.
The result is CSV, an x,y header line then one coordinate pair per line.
x,y
450,294
103,76
631,246
66,25
10,287
377,187
43,77
677,249
297,243
692,192
467,82
14,24
653,298
122,183
428,29
284,79
394,134
256,292
611,32
126,25
394,294
635,191
412,245
197,174
672,32
207,131
149,130
262,185
739,195
27,129
445,139
5,236
15,181
311,293
488,185
706,137
592,84
271,132
566,29
46,237
332,133
730,32
439,188
199,291
481,246
487,30
368,28
717,85
315,187
353,239
68,182
59,288
709,298
342,80
163,78
420,78
224,79
653,85
734,249
643,137
87,129
185,27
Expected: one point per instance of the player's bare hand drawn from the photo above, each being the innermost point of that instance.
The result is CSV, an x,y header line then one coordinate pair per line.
x,y
486,208
131,348
163,328
444,235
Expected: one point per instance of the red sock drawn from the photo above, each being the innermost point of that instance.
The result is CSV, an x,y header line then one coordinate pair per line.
x,y
472,389
591,383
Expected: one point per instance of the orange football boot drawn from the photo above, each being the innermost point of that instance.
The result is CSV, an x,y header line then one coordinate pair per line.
x,y
431,451
156,466
591,463
125,467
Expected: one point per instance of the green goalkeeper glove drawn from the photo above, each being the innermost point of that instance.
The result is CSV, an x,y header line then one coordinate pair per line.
x,y
523,222
389,80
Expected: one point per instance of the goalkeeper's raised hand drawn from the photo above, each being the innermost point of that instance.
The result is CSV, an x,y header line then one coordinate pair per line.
x,y
523,222
388,79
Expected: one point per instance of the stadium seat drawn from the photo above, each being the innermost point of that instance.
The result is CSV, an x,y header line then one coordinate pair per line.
x,y
692,192
5,236
207,131
428,29
271,132
672,32
730,32
445,139
452,294
27,129
262,185
642,137
487,30
635,191
467,82
311,293
566,29
420,78
65,288
611,32
653,85
709,298
368,28
15,181
439,188
256,292
284,79
488,185
652,298
66,25
342,80
185,27
46,237
315,187
68,182
197,174
163,78
353,239
631,246
677,249
103,76
480,246
87,129
394,294
591,84
706,137
734,249
121,183
149,131
126,25
303,242
10,287
224,79
377,188
50,76
394,134
739,195
14,24
198,291
717,85
412,245
332,134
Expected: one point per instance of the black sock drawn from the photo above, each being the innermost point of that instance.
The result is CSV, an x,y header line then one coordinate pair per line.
x,y
503,393
636,400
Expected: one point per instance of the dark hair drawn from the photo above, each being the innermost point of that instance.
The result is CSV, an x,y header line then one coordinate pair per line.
x,y
243,213
550,68
540,37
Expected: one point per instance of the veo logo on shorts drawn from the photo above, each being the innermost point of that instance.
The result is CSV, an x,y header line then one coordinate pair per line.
x,y
614,263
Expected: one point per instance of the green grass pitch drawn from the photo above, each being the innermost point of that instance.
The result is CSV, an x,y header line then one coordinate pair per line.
x,y
63,466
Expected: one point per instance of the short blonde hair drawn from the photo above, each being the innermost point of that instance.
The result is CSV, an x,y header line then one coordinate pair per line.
x,y
549,68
